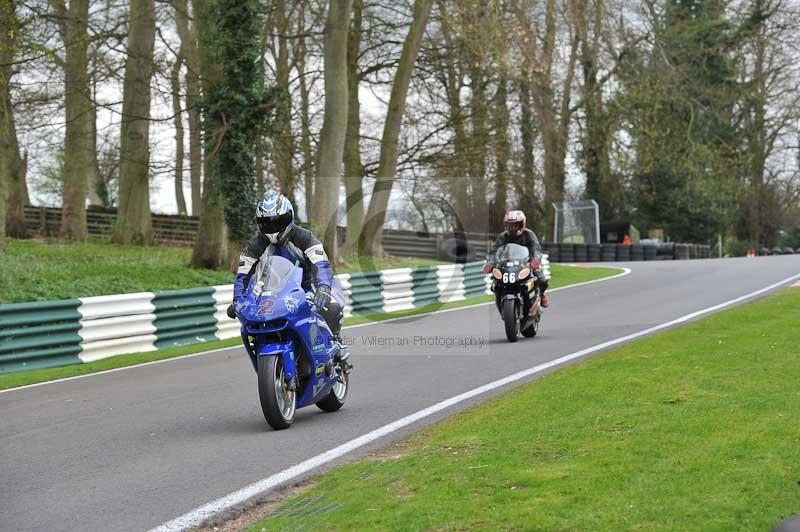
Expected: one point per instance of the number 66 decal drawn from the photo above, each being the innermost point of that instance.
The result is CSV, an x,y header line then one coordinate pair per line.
x,y
509,277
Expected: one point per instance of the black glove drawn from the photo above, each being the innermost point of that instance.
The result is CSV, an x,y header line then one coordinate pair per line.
x,y
231,311
322,297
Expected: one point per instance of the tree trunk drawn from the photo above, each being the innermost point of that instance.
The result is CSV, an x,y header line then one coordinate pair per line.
x,y
353,169
210,246
331,140
526,182
370,241
188,36
283,139
78,109
134,220
175,80
13,168
95,185
502,153
458,167
479,139
305,119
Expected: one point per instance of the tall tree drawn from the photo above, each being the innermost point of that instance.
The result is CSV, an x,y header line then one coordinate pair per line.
x,y
334,125
235,109
13,167
187,32
305,117
134,220
353,168
370,241
78,106
175,82
282,137
210,245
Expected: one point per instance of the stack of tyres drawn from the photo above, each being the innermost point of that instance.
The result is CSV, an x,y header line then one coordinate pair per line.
x,y
788,251
637,252
650,252
595,252
567,252
692,251
623,253
581,253
763,252
777,251
682,252
554,252
609,252
666,251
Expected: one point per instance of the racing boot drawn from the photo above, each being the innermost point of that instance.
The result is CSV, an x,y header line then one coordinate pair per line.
x,y
343,355
544,301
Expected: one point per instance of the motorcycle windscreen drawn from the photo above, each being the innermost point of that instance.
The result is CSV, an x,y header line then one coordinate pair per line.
x,y
274,272
511,252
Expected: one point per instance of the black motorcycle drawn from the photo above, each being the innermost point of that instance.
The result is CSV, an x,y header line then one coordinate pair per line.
x,y
516,291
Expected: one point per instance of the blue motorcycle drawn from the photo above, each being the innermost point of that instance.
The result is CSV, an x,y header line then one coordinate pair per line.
x,y
290,345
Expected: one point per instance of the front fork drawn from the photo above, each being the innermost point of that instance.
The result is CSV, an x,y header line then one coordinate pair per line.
x,y
285,350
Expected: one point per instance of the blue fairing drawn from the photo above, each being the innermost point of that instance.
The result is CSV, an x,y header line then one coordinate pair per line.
x,y
280,321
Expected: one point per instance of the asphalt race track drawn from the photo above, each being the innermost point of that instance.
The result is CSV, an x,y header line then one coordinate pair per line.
x,y
131,449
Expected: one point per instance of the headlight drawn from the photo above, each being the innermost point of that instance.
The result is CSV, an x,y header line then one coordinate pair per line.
x,y
524,273
497,273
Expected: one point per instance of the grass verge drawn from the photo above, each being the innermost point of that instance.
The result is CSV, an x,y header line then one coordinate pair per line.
x,y
46,271
562,276
692,429
37,270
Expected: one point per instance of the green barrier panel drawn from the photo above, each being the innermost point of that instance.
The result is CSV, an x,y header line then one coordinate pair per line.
x,y
39,335
366,294
474,284
425,286
184,317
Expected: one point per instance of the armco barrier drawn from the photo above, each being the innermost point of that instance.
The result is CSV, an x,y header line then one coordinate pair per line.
x,y
74,331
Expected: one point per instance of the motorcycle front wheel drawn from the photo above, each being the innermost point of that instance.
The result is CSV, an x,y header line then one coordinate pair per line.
x,y
278,402
335,398
511,319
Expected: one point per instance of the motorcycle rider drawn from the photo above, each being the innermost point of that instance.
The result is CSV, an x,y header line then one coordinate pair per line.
x,y
517,233
275,219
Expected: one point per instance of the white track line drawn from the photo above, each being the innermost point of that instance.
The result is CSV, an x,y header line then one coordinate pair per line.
x,y
625,272
204,513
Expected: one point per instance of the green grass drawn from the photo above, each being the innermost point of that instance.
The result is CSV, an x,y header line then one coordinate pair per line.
x,y
353,263
37,271
694,429
562,276
43,271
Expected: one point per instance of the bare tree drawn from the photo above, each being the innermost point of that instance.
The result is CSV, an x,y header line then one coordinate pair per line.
x,y
370,241
187,32
353,168
175,80
332,136
78,144
134,220
13,167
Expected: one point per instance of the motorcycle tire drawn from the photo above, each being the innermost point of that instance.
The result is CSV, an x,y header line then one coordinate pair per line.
x,y
510,319
278,413
336,397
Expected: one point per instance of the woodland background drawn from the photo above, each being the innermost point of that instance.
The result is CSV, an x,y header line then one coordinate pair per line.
x,y
680,115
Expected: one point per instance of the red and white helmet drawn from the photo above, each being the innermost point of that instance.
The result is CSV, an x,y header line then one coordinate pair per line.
x,y
514,222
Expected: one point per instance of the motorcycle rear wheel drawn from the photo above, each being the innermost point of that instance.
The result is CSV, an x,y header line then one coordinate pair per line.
x,y
511,319
278,403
